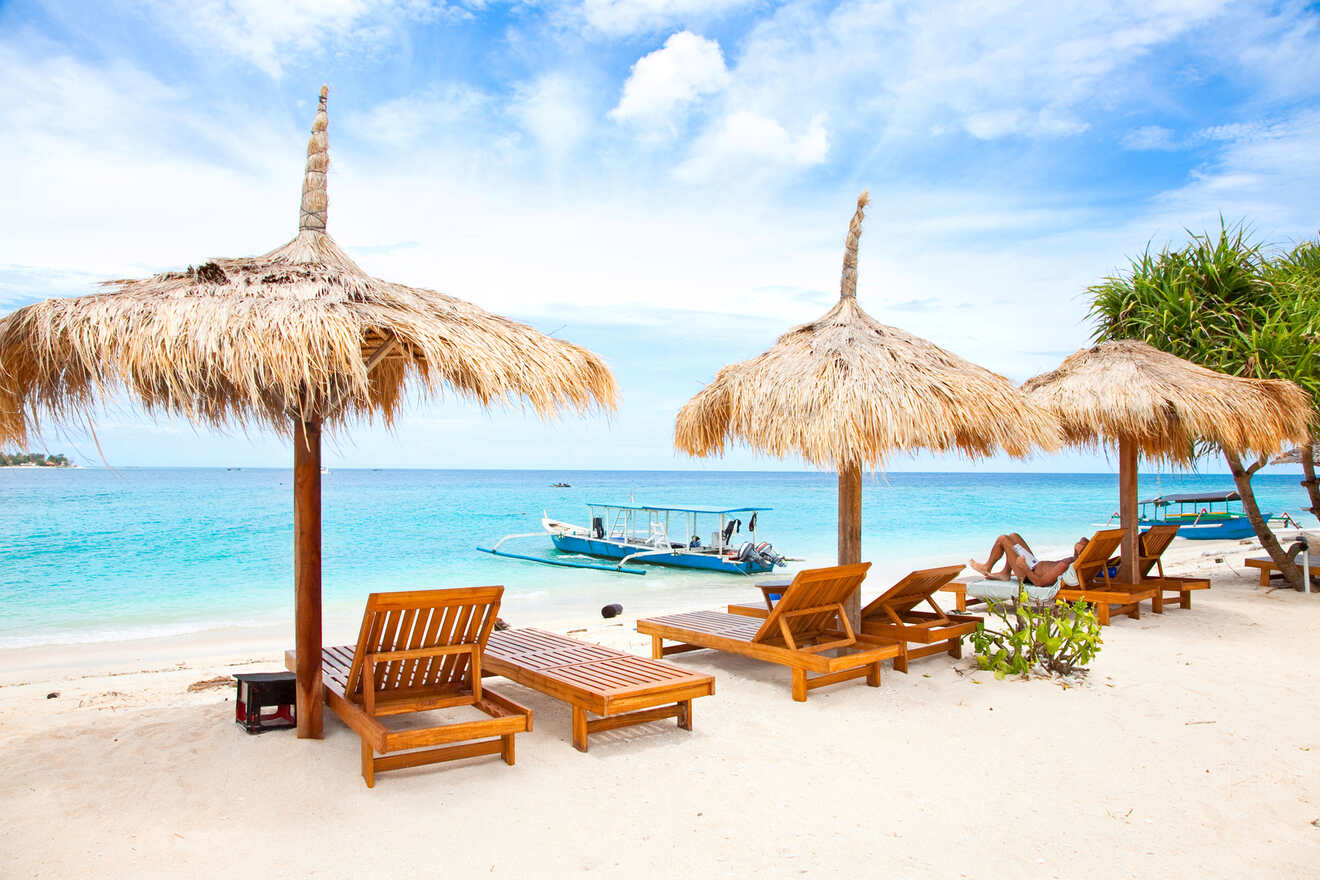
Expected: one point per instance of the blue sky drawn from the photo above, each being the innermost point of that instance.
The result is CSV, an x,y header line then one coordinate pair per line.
x,y
665,181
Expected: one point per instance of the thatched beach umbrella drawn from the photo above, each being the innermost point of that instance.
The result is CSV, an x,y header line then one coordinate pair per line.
x,y
845,391
1144,401
296,340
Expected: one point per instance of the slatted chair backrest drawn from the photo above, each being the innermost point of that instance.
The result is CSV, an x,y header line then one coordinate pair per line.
x,y
1154,541
1093,563
812,604
447,628
915,588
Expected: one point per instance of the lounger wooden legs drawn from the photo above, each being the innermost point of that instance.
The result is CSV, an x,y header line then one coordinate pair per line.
x,y
1157,602
800,685
583,726
502,746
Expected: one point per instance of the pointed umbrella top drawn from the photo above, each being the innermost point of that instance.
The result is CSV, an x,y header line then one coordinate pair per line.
x,y
848,390
315,202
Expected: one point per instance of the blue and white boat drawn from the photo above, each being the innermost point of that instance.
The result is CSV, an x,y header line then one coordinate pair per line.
x,y
643,533
1197,517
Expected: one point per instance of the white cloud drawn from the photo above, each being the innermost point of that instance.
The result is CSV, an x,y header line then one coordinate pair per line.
x,y
267,33
431,113
552,108
1268,173
748,142
1149,137
688,67
621,17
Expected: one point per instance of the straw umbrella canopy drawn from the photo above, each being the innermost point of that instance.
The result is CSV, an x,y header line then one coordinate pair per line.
x,y
1144,401
845,391
297,340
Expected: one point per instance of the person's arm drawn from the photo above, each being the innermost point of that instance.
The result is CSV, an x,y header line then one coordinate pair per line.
x,y
1047,572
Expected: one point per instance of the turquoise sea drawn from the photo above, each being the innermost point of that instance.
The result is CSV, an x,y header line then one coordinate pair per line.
x,y
96,554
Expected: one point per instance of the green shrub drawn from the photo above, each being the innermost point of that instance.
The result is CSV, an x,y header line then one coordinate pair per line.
x,y
1045,637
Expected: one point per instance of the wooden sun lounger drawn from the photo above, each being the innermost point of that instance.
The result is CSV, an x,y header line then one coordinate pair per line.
x,y
623,689
1153,542
1269,569
418,651
807,622
892,616
1096,587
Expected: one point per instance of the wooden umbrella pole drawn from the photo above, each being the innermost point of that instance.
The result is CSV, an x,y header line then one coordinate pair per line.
x,y
850,529
307,573
1127,508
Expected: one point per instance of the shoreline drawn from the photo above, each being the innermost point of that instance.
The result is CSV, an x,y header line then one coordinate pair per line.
x,y
227,644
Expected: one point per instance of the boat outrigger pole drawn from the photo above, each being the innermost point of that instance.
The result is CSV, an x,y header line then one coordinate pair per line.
x,y
566,563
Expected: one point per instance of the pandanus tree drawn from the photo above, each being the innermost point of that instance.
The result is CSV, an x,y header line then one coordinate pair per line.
x,y
1296,280
1220,302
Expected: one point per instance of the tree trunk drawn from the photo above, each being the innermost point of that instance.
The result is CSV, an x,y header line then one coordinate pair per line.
x,y
1242,480
850,531
1308,470
307,575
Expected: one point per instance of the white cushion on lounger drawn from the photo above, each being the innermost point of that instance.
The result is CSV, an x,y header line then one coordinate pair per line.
x,y
1007,590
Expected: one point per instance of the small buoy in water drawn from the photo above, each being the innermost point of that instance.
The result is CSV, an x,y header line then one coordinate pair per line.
x,y
612,610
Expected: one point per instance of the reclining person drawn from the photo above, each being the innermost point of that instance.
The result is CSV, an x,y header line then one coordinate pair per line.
x,y
1020,561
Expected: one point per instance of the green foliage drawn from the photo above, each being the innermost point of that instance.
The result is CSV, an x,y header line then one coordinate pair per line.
x,y
34,458
1045,637
1221,302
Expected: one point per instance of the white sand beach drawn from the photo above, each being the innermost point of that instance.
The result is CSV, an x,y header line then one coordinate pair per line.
x,y
1193,749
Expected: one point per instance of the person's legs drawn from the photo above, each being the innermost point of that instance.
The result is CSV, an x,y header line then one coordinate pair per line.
x,y
1001,546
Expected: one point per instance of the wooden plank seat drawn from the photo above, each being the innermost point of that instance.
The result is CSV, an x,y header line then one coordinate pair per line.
x,y
893,616
622,689
804,628
1096,587
420,651
1168,588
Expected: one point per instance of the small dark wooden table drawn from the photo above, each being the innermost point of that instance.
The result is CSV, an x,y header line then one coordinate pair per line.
x,y
265,690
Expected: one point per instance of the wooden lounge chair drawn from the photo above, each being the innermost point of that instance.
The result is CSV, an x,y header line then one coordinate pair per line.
x,y
623,689
418,651
892,616
1269,569
1107,594
805,624
1153,542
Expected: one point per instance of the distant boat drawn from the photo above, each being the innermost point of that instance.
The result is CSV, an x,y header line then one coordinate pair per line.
x,y
640,533
561,485
1197,517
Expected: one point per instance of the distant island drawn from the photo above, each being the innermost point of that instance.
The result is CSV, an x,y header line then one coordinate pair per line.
x,y
34,459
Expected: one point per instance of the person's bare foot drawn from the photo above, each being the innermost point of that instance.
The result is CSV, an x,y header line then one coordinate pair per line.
x,y
983,570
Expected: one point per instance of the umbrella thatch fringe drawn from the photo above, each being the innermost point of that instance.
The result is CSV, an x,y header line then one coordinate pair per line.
x,y
265,340
1166,405
846,389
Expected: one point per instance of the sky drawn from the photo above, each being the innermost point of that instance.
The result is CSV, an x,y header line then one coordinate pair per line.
x,y
667,182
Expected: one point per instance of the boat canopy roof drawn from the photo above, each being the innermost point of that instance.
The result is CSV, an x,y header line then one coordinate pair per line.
x,y
1194,498
689,508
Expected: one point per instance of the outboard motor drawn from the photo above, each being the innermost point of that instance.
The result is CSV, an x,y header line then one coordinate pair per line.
x,y
747,553
767,552
597,527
